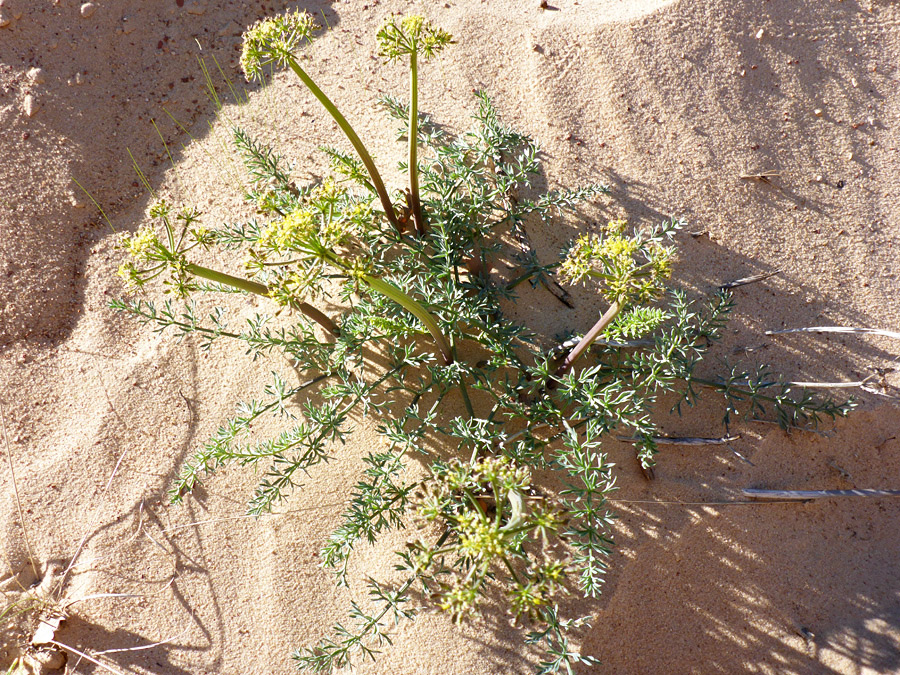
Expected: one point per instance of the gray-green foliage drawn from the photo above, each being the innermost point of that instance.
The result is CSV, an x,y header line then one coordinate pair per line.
x,y
423,303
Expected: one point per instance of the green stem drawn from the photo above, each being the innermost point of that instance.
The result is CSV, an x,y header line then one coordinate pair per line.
x,y
464,390
588,339
415,309
261,289
415,204
746,392
357,144
525,277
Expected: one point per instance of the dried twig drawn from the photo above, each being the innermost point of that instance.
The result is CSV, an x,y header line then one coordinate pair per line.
x,y
90,658
873,390
97,596
682,440
806,495
838,329
12,475
144,647
762,176
831,385
749,280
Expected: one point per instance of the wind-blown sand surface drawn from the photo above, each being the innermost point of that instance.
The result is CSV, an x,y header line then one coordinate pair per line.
x,y
670,102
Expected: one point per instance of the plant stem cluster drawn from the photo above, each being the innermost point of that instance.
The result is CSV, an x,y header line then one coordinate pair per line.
x,y
479,399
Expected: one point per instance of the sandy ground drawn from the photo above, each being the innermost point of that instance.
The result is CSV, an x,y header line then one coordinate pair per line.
x,y
670,103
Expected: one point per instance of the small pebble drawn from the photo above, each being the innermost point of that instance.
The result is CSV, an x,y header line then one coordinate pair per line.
x,y
817,112
76,201
819,178
760,33
4,19
36,75
47,660
195,8
87,10
30,105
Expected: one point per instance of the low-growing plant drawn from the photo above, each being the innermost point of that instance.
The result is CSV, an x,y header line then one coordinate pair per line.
x,y
509,497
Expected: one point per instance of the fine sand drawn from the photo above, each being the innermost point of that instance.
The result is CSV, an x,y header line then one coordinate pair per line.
x,y
674,104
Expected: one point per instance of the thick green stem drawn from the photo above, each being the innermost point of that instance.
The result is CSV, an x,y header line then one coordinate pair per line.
x,y
261,289
414,202
357,144
588,339
416,310
463,389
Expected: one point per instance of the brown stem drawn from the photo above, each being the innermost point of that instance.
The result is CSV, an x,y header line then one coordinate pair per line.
x,y
588,339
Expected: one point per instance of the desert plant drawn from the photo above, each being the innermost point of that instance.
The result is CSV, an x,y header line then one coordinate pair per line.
x,y
511,495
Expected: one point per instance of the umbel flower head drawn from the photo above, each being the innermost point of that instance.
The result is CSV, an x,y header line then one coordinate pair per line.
x,y
634,267
412,35
275,40
483,505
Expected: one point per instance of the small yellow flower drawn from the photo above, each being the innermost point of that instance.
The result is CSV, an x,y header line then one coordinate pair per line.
x,y
130,276
616,226
479,538
460,600
326,193
143,245
160,209
618,249
282,235
359,268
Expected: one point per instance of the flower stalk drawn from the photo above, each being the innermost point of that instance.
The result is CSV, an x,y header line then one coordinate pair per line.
x,y
414,201
393,293
354,139
415,309
275,41
584,344
410,37
261,289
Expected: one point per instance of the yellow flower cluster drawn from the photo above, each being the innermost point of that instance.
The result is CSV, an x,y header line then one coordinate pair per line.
x,y
131,276
275,40
144,245
413,35
502,472
478,537
536,592
286,233
460,600
629,267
